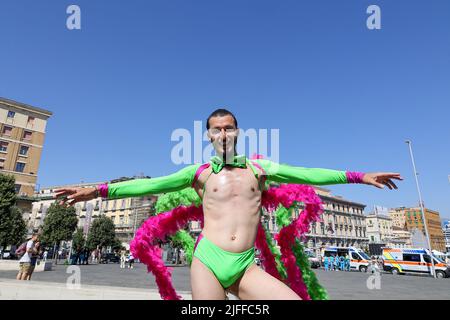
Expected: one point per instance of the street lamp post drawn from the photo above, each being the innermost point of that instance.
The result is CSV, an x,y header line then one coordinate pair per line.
x,y
135,217
433,273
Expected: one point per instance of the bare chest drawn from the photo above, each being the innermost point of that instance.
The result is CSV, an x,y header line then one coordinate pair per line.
x,y
229,183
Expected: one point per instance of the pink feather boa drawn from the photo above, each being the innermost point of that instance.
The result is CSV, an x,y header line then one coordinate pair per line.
x,y
268,259
286,195
145,247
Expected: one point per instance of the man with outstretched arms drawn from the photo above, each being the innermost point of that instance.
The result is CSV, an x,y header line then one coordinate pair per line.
x,y
230,187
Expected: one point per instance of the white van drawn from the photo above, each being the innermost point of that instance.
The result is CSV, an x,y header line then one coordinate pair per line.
x,y
359,260
413,260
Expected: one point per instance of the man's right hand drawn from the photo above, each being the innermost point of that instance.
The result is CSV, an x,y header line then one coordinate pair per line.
x,y
73,195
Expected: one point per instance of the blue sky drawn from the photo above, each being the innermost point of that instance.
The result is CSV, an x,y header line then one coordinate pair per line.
x,y
342,96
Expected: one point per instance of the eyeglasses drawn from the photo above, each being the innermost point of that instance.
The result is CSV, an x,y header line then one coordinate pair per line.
x,y
217,132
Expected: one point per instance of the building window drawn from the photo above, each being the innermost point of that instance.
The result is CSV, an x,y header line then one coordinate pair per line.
x,y
411,257
355,256
3,146
23,150
27,135
7,131
17,188
20,166
30,120
11,114
2,164
314,226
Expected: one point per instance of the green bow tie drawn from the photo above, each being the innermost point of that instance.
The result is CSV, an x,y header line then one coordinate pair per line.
x,y
217,163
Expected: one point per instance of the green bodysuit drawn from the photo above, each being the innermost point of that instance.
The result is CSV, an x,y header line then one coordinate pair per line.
x,y
228,266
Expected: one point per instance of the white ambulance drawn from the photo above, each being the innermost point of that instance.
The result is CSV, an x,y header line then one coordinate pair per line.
x,y
359,260
413,260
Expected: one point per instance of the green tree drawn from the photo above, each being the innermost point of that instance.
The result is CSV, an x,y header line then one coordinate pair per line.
x,y
7,192
12,225
59,224
117,245
79,240
101,234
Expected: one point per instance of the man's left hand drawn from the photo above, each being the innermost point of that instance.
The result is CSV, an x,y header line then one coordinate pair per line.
x,y
381,179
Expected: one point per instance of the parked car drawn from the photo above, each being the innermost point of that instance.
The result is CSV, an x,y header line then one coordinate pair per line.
x,y
6,254
110,257
313,260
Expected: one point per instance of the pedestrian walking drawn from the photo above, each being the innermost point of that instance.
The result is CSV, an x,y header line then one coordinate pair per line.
x,y
85,256
342,263
26,250
123,259
347,262
373,266
93,256
130,261
34,258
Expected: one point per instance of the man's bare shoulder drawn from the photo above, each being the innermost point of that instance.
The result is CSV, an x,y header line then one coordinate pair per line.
x,y
203,176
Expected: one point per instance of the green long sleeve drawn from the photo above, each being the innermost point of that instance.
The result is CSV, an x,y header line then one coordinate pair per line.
x,y
139,187
283,173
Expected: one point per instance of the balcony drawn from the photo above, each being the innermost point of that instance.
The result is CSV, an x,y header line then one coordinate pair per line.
x,y
123,225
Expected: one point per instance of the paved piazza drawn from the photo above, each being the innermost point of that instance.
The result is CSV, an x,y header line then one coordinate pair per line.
x,y
340,285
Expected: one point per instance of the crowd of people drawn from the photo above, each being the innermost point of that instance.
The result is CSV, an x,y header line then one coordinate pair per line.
x,y
337,263
85,256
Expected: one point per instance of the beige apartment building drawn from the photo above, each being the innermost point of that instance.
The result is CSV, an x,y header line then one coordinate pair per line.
x,y
127,214
398,217
410,219
401,238
22,133
414,220
379,228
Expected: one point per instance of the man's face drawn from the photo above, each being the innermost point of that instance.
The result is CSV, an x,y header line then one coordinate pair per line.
x,y
223,134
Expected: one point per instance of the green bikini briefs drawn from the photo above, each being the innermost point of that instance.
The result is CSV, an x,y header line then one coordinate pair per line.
x,y
226,266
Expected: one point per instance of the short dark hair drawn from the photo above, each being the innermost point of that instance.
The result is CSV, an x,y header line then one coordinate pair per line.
x,y
220,113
